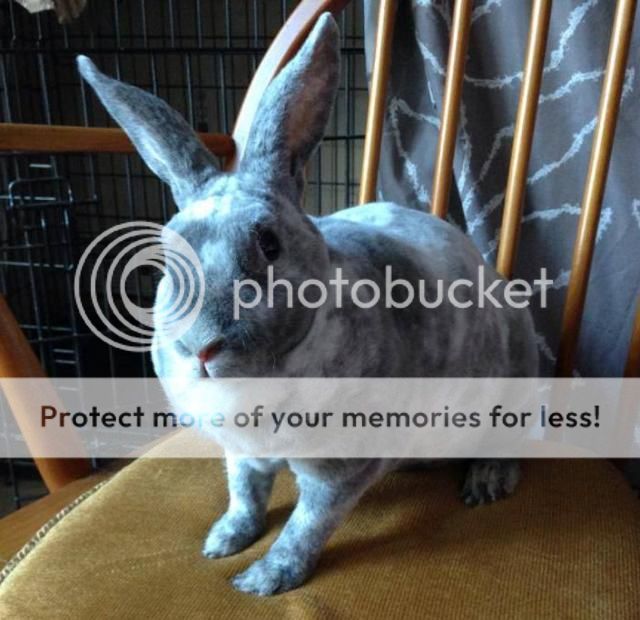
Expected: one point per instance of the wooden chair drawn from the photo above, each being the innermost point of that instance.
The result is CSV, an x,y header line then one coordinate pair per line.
x,y
68,478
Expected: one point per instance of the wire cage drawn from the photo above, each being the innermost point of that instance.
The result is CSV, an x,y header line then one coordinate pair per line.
x,y
199,55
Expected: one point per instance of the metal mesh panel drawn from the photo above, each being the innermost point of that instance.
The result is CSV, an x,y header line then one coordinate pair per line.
x,y
199,55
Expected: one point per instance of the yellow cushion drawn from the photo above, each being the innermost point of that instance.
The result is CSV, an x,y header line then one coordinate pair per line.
x,y
567,545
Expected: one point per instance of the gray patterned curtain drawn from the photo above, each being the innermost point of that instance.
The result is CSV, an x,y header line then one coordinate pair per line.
x,y
575,59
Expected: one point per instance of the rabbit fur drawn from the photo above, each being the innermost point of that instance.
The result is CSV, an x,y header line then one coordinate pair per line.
x,y
224,217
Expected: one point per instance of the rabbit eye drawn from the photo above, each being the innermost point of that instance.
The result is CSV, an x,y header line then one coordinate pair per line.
x,y
269,244
181,348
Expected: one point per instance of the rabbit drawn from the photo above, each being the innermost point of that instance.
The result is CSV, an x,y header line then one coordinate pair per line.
x,y
241,223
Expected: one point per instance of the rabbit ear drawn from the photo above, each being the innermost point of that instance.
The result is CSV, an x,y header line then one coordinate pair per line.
x,y
163,138
294,111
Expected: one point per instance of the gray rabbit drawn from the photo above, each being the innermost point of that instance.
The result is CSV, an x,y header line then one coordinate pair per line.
x,y
244,222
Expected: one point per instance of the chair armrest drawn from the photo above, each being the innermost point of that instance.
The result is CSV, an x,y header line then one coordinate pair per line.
x,y
69,139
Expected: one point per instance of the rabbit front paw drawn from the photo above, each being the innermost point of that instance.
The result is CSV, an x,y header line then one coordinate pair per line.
x,y
490,480
271,575
231,534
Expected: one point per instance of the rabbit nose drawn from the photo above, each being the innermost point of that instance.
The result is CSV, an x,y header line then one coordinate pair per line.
x,y
210,351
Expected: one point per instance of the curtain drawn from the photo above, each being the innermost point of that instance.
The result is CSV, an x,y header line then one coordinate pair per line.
x,y
567,113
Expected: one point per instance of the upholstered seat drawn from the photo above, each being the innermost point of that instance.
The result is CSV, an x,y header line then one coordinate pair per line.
x,y
567,545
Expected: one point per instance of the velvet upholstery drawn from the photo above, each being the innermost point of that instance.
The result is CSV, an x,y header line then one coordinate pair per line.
x,y
567,545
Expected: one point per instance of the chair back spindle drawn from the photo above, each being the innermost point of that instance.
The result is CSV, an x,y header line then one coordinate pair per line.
x,y
377,101
443,169
523,136
595,182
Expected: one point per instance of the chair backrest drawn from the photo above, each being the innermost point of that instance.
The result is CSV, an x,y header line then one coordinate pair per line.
x,y
284,46
300,22
523,137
